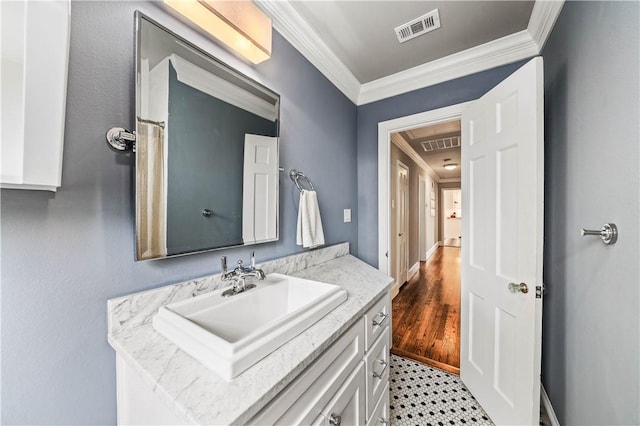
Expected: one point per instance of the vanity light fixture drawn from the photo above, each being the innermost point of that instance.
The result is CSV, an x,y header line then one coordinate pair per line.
x,y
241,25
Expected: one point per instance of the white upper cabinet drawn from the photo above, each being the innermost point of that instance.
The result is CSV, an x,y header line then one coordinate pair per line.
x,y
35,52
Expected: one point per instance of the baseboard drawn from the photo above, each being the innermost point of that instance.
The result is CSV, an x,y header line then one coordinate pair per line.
x,y
395,289
442,366
432,250
546,403
413,270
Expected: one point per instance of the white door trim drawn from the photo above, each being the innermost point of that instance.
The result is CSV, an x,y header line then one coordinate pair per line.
x,y
422,219
385,129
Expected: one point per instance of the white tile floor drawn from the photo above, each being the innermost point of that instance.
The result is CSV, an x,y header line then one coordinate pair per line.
x,y
424,395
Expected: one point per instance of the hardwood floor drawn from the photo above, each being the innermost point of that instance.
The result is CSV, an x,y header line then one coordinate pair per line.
x,y
426,313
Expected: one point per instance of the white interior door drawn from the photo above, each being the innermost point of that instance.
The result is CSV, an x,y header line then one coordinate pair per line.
x,y
402,217
260,189
502,177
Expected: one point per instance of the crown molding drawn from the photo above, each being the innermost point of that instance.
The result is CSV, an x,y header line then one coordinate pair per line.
x,y
404,146
288,22
505,50
543,17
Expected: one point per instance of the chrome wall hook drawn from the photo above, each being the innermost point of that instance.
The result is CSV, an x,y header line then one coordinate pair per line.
x,y
608,233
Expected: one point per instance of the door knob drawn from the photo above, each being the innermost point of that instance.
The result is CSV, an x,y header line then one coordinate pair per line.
x,y
334,419
515,288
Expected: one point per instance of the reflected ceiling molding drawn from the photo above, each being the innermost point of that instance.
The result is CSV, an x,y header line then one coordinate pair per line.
x,y
505,50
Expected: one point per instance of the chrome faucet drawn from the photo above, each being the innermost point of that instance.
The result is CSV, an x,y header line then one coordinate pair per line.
x,y
240,274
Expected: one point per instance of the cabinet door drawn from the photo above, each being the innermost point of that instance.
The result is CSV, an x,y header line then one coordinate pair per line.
x,y
347,406
380,416
35,49
376,319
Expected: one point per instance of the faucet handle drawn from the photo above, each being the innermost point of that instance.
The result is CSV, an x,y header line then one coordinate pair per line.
x,y
253,259
223,261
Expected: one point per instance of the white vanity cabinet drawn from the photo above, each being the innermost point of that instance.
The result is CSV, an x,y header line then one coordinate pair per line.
x,y
335,372
347,385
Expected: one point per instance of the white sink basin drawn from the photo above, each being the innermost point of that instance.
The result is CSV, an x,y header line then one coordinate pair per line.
x,y
230,334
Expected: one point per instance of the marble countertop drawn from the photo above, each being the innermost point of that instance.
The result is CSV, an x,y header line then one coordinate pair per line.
x,y
198,395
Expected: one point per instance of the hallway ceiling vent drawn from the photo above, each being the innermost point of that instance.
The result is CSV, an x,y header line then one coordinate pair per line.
x,y
438,144
418,26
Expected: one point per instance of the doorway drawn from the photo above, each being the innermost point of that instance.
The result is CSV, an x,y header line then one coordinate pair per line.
x,y
426,304
451,216
503,190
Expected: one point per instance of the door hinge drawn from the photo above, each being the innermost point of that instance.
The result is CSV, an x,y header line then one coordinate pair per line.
x,y
539,290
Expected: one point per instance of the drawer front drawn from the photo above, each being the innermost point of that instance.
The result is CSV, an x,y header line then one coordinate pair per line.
x,y
346,408
376,319
303,399
377,363
380,416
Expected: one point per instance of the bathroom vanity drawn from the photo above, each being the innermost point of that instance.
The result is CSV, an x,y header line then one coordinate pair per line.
x,y
334,372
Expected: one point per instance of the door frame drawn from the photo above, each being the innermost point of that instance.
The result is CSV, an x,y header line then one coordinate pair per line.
x,y
385,129
422,219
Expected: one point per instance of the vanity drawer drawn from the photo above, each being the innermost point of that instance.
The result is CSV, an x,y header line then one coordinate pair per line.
x,y
377,364
303,399
376,319
380,416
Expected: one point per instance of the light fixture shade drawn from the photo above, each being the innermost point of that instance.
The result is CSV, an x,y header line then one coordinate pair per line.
x,y
241,25
451,166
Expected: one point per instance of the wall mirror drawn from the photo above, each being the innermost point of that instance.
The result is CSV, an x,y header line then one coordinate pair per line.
x,y
206,150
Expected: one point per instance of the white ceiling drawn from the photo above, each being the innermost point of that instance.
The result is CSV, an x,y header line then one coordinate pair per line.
x,y
354,45
361,33
438,158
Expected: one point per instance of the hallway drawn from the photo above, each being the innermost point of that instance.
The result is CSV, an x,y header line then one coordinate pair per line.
x,y
426,313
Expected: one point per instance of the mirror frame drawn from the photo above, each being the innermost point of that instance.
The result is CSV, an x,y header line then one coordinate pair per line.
x,y
138,18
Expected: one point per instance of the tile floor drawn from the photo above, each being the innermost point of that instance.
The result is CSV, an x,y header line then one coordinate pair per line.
x,y
423,395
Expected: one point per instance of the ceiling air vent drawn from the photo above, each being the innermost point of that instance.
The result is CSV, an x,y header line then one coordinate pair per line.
x,y
418,26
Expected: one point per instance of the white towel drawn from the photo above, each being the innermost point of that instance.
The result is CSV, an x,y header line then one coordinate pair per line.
x,y
309,232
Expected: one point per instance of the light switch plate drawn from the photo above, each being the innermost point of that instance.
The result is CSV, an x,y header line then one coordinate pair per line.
x,y
347,215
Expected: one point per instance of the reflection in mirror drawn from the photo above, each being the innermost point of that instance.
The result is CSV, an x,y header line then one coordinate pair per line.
x,y
206,150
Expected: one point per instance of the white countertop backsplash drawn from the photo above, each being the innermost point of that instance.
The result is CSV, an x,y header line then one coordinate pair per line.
x,y
200,396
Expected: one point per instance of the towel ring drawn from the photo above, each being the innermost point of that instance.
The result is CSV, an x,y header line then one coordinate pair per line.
x,y
295,175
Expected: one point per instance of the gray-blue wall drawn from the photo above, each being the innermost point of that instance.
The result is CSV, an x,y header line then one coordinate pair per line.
x,y
65,254
441,95
591,346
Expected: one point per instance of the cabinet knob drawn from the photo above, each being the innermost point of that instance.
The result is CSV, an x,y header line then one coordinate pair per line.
x,y
335,419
